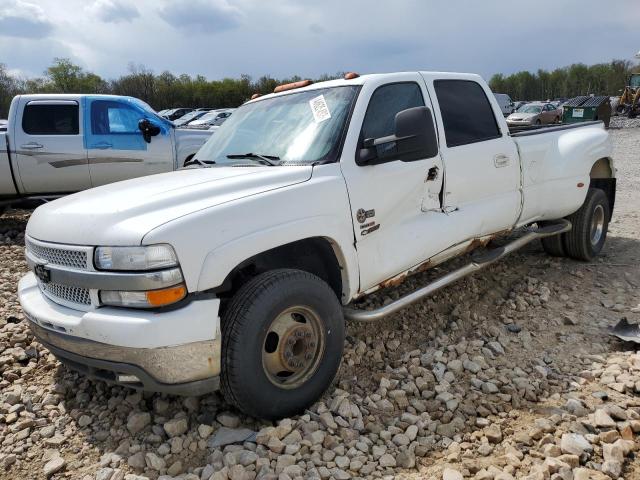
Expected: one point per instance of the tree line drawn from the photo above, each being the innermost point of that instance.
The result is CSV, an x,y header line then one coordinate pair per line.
x,y
166,90
566,82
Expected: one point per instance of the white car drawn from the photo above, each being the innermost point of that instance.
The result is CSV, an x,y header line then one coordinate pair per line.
x,y
214,118
59,143
241,273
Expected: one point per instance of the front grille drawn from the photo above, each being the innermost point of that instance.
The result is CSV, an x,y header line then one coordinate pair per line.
x,y
59,256
68,294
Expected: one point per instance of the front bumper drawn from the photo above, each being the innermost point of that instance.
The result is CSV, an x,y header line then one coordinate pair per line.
x,y
174,351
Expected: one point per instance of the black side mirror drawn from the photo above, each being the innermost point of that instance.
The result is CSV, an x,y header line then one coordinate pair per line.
x,y
414,139
148,129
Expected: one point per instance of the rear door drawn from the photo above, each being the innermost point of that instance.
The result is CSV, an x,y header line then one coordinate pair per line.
x,y
482,180
116,148
50,154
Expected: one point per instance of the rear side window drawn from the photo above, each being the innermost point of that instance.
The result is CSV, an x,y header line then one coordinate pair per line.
x,y
43,119
385,103
109,117
467,116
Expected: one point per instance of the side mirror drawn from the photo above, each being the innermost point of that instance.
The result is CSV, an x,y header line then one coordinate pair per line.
x,y
414,139
148,129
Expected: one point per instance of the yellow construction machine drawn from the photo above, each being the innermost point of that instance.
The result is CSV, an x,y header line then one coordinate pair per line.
x,y
629,103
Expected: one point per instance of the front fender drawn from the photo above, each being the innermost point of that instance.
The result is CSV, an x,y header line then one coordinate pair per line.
x,y
224,258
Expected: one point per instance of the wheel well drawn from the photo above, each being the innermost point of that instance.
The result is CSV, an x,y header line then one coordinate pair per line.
x,y
602,177
313,255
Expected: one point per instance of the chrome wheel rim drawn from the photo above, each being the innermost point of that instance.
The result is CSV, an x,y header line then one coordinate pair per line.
x,y
293,347
597,225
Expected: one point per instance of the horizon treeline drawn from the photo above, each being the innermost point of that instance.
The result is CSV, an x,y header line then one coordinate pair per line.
x,y
167,90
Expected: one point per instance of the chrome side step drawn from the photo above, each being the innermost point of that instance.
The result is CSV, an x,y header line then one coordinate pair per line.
x,y
477,263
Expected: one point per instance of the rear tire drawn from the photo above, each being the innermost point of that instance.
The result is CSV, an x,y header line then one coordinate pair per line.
x,y
590,225
282,341
554,245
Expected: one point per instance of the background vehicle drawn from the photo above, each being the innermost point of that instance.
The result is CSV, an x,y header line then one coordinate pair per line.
x,y
176,113
517,105
629,103
59,143
210,119
313,198
3,124
535,114
189,117
506,104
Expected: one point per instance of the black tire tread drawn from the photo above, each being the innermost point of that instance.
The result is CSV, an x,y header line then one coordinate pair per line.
x,y
553,245
234,319
575,240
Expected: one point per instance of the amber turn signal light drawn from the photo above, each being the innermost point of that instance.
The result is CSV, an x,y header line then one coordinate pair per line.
x,y
166,296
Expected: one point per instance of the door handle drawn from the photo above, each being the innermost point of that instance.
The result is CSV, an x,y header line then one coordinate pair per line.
x,y
501,160
101,145
31,146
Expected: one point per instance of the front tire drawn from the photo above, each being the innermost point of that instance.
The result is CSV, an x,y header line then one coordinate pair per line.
x,y
282,341
590,225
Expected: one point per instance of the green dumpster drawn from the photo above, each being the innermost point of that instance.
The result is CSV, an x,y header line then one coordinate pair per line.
x,y
586,109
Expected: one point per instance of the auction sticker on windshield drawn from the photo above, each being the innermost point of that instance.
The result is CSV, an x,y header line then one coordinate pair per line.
x,y
320,109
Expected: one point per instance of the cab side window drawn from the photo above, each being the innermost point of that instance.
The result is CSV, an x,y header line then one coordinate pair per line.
x,y
385,103
50,119
109,117
467,116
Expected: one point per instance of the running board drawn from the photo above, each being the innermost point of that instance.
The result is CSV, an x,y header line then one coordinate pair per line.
x,y
477,263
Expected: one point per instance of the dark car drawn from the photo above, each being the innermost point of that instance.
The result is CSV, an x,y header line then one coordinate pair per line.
x,y
176,113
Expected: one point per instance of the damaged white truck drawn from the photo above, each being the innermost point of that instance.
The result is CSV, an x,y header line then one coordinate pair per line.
x,y
239,274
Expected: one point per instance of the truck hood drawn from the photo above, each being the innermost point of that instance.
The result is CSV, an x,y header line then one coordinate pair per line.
x,y
122,213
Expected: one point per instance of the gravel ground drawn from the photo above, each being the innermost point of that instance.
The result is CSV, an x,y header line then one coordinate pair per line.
x,y
507,374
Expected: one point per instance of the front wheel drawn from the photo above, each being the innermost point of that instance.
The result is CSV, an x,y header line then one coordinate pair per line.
x,y
282,340
590,225
538,122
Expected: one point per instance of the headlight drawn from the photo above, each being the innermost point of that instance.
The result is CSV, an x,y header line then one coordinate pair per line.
x,y
150,257
148,299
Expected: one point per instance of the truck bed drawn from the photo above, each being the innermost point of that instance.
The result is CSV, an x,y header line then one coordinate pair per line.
x,y
538,129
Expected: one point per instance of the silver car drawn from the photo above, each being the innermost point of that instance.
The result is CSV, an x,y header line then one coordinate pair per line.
x,y
535,114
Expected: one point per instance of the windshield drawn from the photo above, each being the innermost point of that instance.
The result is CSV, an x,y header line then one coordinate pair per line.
x,y
207,117
303,127
530,109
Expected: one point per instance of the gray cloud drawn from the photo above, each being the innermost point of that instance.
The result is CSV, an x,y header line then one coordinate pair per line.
x,y
201,15
114,11
22,19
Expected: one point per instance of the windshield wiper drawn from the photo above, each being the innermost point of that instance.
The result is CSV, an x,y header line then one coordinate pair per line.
x,y
264,159
204,163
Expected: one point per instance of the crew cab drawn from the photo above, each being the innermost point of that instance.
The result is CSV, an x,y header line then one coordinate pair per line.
x,y
59,144
239,272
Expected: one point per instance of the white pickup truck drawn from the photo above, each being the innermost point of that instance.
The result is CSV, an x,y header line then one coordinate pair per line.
x,y
240,273
59,143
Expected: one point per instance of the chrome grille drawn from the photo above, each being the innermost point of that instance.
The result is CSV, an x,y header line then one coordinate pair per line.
x,y
59,256
64,292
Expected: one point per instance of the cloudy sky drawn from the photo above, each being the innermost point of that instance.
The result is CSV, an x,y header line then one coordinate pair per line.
x,y
219,38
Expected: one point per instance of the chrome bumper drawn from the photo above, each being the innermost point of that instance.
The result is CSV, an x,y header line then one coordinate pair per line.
x,y
190,369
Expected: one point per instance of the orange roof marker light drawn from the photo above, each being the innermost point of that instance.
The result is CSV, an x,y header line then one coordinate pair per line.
x,y
350,75
291,86
254,96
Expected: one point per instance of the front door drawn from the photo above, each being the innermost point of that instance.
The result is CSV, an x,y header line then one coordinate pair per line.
x,y
116,148
49,150
395,205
